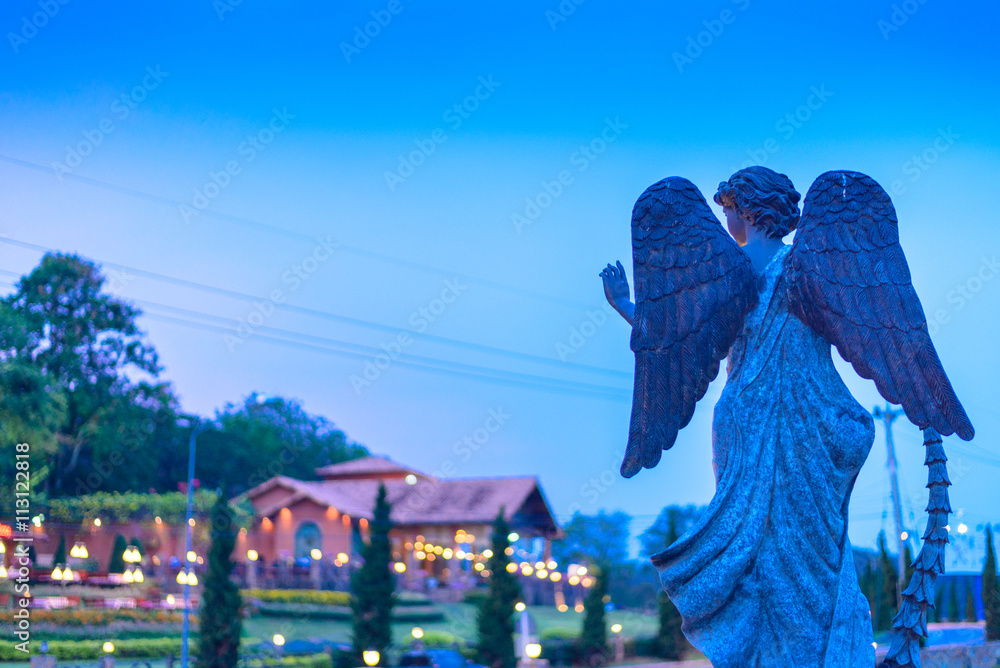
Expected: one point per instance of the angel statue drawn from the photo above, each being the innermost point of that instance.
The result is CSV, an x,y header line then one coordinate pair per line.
x,y
765,578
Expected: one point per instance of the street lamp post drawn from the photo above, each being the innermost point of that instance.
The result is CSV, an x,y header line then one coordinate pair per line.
x,y
199,428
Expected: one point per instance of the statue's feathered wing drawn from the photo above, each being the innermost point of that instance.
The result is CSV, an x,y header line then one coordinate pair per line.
x,y
693,288
848,280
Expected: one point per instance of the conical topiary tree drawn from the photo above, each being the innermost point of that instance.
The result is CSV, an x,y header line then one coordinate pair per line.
x,y
116,564
970,604
953,603
885,594
373,586
60,555
991,590
495,619
219,622
594,637
670,641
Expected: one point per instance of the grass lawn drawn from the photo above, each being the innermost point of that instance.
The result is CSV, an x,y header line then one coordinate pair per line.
x,y
460,620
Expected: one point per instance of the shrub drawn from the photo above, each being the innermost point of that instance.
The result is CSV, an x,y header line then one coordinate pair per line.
x,y
95,616
311,596
559,634
440,639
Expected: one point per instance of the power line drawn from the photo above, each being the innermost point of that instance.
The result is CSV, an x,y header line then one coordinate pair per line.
x,y
233,294
280,231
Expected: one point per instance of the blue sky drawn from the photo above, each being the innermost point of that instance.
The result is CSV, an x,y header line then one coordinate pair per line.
x,y
270,153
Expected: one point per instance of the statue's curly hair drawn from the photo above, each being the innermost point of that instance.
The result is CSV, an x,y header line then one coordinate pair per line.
x,y
765,198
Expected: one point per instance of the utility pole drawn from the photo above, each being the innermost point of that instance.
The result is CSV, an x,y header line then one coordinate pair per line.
x,y
888,416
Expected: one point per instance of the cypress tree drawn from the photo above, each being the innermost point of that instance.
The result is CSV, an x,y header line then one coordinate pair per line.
x,y
670,641
219,622
970,604
495,619
117,562
594,637
991,590
60,555
953,602
938,604
373,586
885,594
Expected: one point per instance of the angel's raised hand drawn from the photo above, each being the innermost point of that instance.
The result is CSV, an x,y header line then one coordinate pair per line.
x,y
615,284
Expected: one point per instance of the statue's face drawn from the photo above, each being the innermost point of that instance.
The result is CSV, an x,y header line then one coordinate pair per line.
x,y
737,225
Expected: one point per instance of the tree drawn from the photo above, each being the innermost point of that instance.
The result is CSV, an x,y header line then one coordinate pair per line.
x,y
591,539
970,604
594,636
85,344
953,602
885,594
991,590
672,521
495,619
117,562
219,622
60,556
373,586
670,640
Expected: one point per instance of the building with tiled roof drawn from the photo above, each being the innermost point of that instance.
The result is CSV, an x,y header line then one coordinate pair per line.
x,y
453,517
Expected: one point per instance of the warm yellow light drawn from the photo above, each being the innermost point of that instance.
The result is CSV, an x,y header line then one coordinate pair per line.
x,y
68,574
418,545
509,551
75,550
192,579
469,556
191,556
587,582
526,570
97,521
316,554
201,560
108,647
552,565
278,640
438,549
512,537
904,535
266,524
487,553
191,522
469,538
533,650
447,553
342,557
128,577
539,565
371,657
520,606
420,554
460,553
170,599
582,570
399,567
574,580
252,555
57,573
563,607
479,566
962,528
138,575
555,576
542,574
3,548
578,607
3,571
159,521
417,632
616,628
182,577
512,567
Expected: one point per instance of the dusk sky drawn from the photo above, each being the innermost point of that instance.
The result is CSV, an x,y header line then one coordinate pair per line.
x,y
286,198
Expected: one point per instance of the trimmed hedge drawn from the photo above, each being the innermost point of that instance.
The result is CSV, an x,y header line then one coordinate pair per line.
x,y
308,596
95,616
89,650
421,613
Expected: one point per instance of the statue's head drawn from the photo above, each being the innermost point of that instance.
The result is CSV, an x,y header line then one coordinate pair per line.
x,y
763,198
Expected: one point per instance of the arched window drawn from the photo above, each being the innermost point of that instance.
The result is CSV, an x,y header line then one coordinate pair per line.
x,y
307,538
